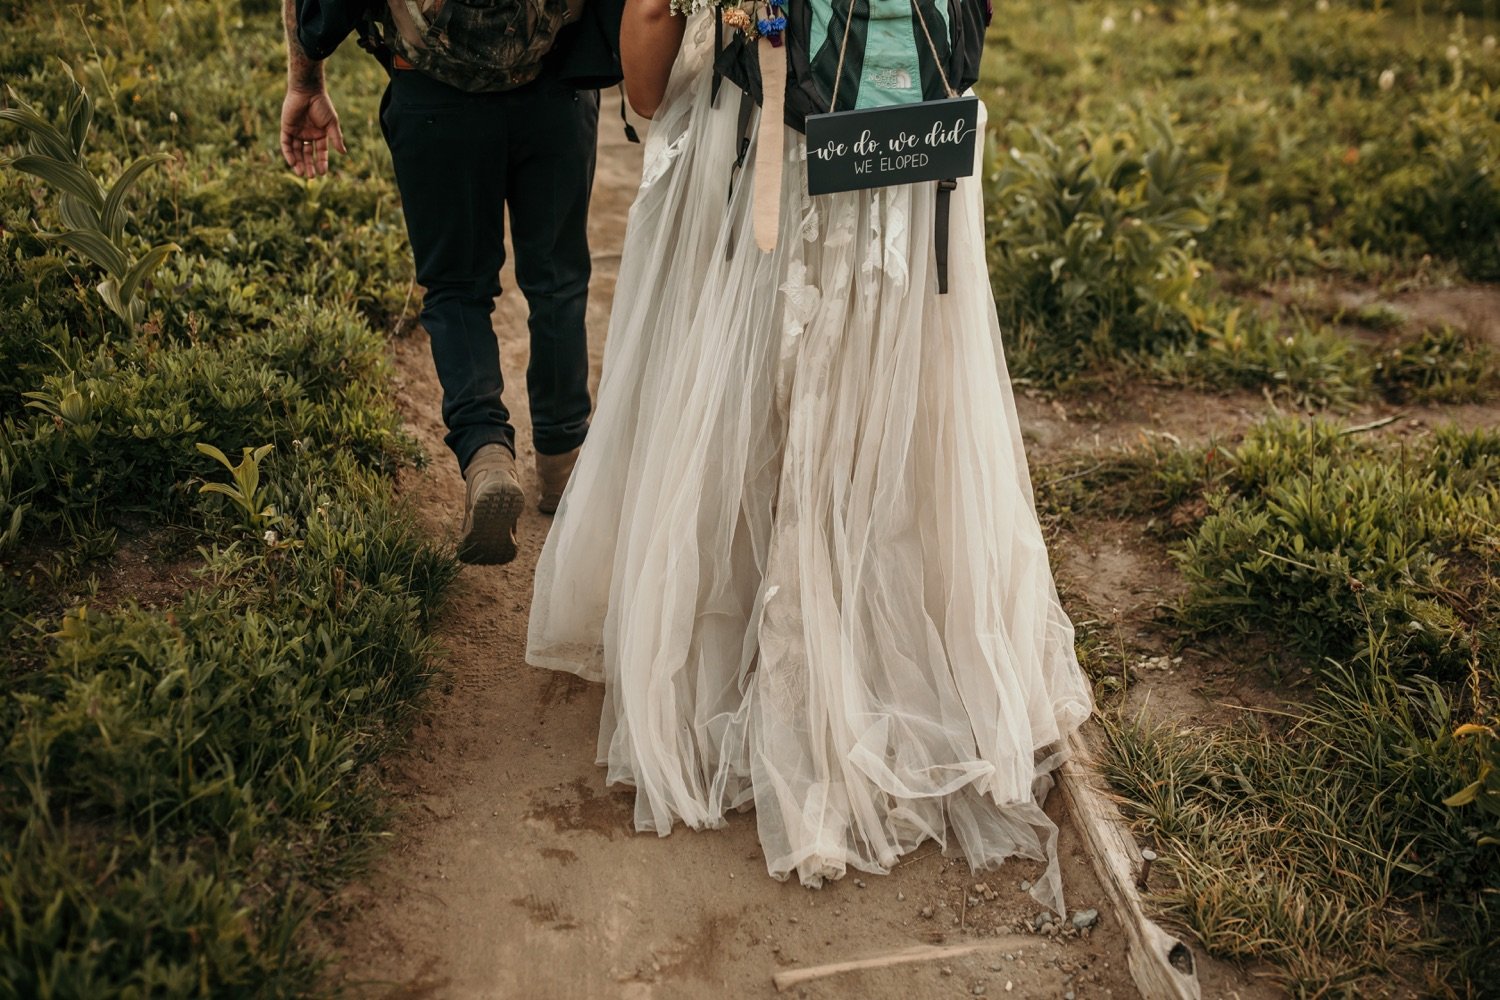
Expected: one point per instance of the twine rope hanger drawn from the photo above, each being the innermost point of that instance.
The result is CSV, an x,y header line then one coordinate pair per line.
x,y
766,193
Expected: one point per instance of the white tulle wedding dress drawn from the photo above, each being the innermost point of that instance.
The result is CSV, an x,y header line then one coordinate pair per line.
x,y
800,548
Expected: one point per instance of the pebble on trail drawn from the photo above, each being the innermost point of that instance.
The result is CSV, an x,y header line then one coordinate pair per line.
x,y
1085,918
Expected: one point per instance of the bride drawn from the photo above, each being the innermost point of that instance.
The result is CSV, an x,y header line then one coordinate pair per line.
x,y
800,547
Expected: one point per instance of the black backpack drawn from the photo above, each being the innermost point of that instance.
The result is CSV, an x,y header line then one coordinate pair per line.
x,y
955,29
937,44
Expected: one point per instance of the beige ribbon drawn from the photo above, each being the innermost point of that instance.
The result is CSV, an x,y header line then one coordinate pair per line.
x,y
770,143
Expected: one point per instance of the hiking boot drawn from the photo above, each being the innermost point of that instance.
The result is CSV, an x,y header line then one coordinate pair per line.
x,y
493,502
553,471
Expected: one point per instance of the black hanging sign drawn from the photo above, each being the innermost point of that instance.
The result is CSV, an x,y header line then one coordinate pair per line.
x,y
896,144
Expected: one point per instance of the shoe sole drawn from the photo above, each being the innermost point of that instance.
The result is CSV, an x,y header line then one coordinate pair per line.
x,y
491,538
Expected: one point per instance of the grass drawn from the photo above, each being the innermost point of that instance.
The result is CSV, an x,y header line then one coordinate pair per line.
x,y
1350,838
184,775
1209,149
1347,839
1318,843
187,749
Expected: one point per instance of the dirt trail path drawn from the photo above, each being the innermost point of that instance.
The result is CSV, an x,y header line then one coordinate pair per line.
x,y
514,872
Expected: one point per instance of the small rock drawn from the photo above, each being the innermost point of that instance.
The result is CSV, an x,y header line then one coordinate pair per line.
x,y
973,900
1085,918
996,967
978,990
1009,985
980,888
945,970
925,913
1048,928
859,883
1070,995
900,897
1025,886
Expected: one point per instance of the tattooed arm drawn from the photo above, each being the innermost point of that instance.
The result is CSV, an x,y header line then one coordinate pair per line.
x,y
309,123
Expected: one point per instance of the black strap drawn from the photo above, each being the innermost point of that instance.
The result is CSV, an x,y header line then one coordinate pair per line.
x,y
747,105
940,232
713,98
443,13
373,42
630,132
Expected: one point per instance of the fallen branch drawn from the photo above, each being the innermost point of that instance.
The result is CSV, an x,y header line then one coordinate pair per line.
x,y
920,953
1373,425
1161,965
919,857
1073,475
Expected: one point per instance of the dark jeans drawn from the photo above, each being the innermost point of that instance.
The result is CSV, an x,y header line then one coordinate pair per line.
x,y
462,160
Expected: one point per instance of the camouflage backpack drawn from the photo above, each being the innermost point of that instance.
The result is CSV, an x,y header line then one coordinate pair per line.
x,y
477,45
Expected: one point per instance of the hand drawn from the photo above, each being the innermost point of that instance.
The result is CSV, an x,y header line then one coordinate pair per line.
x,y
309,124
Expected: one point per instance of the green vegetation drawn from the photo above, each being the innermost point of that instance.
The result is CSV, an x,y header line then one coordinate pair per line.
x,y
193,375
1325,539
1336,839
187,735
1209,148
1093,244
1177,193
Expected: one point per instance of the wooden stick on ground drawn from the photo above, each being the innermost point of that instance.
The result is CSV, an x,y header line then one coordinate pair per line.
x,y
1373,425
1161,965
920,953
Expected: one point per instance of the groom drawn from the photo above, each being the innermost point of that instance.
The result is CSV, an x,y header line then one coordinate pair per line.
x,y
462,160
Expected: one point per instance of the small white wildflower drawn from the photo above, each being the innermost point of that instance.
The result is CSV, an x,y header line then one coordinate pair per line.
x,y
172,117
271,537
296,444
1488,45
1387,79
1136,16
1107,25
1452,53
1322,6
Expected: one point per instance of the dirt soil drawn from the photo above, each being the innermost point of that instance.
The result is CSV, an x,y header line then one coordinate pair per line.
x,y
514,872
